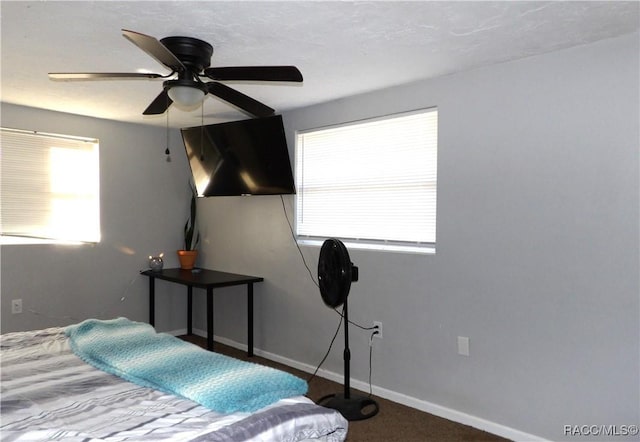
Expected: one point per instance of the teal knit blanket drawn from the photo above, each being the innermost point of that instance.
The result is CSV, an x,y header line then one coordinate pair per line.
x,y
135,352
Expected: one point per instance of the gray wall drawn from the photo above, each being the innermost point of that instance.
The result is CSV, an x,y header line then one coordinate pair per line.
x,y
537,250
144,202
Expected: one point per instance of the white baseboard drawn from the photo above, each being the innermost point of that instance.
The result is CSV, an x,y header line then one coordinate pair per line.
x,y
409,401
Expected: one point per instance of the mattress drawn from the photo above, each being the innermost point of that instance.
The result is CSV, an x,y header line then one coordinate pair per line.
x,y
48,393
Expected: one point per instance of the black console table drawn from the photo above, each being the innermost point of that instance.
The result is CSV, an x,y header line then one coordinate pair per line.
x,y
206,279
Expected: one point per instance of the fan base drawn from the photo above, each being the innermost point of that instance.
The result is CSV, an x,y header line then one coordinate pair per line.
x,y
354,408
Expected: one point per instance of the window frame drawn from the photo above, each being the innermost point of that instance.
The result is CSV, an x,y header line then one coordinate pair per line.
x,y
58,189
416,247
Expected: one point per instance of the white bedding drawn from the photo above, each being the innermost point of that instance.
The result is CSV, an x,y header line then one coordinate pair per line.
x,y
47,393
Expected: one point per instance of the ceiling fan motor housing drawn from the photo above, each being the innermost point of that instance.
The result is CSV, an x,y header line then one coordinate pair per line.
x,y
195,54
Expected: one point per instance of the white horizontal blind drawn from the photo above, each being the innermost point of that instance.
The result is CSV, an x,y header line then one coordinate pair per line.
x,y
50,186
371,181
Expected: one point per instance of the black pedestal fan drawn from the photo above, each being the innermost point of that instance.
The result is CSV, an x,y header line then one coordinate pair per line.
x,y
335,274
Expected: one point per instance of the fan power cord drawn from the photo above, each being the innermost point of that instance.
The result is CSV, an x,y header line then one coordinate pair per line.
x,y
375,332
293,235
356,324
328,351
341,314
304,261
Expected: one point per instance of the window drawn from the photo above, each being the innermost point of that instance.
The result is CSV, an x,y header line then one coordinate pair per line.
x,y
370,183
50,187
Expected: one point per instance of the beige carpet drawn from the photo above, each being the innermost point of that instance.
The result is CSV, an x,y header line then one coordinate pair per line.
x,y
394,422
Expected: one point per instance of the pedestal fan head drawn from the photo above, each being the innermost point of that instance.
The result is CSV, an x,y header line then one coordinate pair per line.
x,y
335,272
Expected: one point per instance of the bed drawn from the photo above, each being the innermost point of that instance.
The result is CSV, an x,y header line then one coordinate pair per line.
x,y
49,393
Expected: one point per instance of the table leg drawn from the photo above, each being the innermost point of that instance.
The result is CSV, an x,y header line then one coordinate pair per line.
x,y
189,310
250,319
152,299
209,319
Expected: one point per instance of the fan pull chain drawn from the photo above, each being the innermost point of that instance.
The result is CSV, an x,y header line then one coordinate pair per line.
x,y
202,132
167,152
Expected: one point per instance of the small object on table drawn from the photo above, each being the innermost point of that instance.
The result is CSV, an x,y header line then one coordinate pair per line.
x,y
156,262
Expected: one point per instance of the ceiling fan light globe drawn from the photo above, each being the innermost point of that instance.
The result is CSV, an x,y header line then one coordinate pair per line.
x,y
186,97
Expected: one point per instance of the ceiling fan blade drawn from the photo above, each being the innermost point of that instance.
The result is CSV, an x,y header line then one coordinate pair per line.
x,y
255,73
155,49
69,76
159,105
239,99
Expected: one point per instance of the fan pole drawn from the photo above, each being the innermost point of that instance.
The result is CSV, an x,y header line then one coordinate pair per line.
x,y
353,408
346,355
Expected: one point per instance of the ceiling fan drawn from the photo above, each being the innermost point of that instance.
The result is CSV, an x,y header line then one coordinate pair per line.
x,y
189,60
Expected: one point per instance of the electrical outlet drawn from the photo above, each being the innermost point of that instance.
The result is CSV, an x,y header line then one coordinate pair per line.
x,y
463,345
16,306
378,325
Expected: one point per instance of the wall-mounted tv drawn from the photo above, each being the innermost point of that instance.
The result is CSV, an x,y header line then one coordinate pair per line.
x,y
247,157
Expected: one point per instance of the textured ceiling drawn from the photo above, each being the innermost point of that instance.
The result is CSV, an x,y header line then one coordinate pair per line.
x,y
341,48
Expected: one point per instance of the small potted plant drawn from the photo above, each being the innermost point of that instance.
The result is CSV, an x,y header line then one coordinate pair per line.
x,y
188,255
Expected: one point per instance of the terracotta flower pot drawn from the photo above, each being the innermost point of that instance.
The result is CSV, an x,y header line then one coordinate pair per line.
x,y
187,258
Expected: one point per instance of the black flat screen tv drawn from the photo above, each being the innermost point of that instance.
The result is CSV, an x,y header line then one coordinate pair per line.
x,y
247,157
